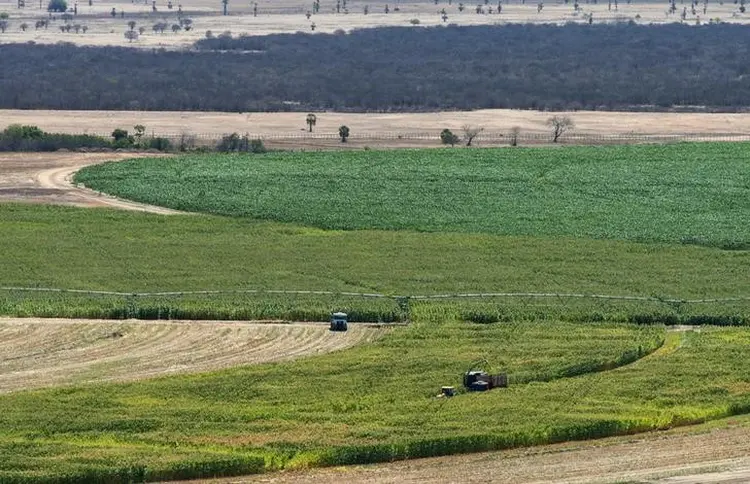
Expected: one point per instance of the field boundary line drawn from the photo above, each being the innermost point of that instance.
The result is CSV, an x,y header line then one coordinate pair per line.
x,y
479,295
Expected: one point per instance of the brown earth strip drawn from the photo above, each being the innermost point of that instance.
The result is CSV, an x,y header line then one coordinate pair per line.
x,y
47,178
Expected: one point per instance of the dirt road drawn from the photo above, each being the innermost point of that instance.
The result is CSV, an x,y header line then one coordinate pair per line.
x,y
45,352
47,178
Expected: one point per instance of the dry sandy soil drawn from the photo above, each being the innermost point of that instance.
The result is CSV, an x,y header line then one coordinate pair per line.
x,y
382,129
288,16
685,456
46,178
44,352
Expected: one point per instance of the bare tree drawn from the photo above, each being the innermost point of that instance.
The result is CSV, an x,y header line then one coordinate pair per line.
x,y
24,26
559,125
470,132
514,132
3,25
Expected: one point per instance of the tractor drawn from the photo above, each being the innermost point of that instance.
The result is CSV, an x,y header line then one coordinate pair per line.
x,y
338,322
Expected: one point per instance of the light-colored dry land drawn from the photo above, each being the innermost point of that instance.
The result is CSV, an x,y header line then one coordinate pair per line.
x,y
47,178
49,352
288,16
384,125
685,456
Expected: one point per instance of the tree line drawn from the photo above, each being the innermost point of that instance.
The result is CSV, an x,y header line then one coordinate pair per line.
x,y
547,67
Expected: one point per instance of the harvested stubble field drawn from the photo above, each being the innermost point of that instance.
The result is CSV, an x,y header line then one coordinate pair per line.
x,y
51,352
288,16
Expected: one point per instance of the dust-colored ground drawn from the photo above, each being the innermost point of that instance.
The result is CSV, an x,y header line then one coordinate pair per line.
x,y
375,128
46,178
45,352
647,458
288,16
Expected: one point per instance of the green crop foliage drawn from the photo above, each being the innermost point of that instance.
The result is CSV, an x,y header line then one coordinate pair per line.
x,y
680,193
132,252
377,402
345,406
427,222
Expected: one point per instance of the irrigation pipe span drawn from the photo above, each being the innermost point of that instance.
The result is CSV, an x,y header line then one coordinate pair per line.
x,y
478,295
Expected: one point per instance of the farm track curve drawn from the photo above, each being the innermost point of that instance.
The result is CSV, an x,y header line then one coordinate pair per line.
x,y
47,178
37,353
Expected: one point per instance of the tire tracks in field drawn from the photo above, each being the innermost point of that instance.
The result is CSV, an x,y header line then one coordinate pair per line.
x,y
37,352
61,178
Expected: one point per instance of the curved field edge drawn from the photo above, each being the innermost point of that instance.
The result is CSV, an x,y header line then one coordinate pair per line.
x,y
240,414
43,353
677,193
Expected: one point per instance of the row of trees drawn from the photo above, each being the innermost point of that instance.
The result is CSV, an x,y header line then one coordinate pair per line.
x,y
559,125
542,67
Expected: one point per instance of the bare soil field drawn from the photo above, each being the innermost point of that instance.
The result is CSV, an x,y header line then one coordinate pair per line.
x,y
288,16
682,456
288,130
45,352
46,178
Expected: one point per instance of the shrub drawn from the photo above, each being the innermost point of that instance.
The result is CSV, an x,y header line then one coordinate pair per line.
x,y
236,143
161,144
448,138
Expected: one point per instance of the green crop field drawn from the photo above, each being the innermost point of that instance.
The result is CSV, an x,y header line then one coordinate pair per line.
x,y
685,193
649,223
109,250
378,402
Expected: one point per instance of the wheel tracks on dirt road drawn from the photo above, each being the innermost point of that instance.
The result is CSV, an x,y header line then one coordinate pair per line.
x,y
61,178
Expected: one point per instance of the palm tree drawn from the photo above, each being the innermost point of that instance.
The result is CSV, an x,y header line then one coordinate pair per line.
x,y
344,133
311,120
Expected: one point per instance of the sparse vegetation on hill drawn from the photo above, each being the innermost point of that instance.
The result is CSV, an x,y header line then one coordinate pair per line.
x,y
398,69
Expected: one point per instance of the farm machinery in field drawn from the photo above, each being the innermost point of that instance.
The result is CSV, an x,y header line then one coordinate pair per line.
x,y
478,380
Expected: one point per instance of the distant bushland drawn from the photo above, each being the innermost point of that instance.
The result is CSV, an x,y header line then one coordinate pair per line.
x,y
546,67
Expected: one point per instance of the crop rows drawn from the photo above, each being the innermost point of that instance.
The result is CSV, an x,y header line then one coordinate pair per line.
x,y
376,402
681,193
365,397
